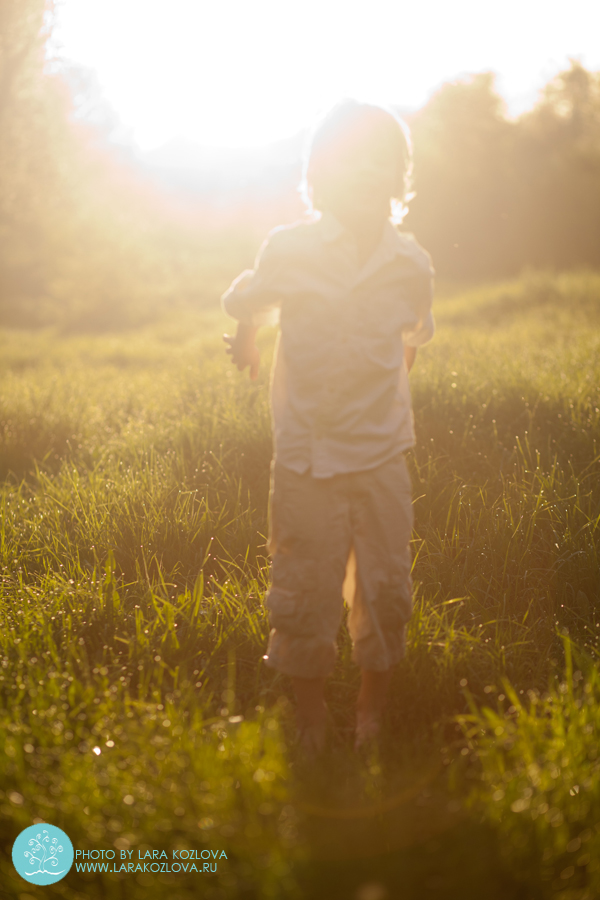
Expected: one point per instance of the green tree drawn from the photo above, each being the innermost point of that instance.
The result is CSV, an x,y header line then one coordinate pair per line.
x,y
462,208
23,164
78,228
558,163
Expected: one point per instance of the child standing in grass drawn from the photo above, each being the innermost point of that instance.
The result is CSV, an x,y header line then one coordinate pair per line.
x,y
353,297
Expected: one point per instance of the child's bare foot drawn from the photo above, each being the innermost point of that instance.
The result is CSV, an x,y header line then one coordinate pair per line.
x,y
368,728
370,705
311,715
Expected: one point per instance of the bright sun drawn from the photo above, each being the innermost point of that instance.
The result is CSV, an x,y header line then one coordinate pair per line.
x,y
245,72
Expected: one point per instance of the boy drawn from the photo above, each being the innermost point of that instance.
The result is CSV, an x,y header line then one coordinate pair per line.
x,y
354,300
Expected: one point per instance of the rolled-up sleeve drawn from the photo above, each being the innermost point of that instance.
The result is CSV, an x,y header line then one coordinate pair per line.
x,y
254,296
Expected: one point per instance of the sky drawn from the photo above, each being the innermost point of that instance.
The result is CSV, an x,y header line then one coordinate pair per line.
x,y
241,73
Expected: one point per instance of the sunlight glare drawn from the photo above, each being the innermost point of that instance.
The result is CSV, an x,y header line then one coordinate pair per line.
x,y
235,73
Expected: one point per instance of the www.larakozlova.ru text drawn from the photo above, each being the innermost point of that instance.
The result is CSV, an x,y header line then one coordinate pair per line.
x,y
179,861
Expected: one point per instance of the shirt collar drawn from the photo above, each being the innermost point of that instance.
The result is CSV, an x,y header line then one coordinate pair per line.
x,y
332,229
390,245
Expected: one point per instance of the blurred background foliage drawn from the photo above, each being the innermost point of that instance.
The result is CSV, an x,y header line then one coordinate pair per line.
x,y
92,239
495,195
86,240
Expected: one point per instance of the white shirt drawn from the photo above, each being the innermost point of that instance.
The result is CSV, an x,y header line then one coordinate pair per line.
x,y
339,389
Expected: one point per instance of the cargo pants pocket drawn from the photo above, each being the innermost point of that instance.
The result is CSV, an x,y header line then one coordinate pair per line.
x,y
291,598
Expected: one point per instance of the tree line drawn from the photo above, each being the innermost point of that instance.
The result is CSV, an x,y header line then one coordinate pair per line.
x,y
87,240
494,195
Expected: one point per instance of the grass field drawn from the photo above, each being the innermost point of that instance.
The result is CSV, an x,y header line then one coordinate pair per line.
x,y
136,712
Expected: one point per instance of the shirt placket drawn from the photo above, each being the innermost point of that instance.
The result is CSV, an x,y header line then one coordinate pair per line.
x,y
322,450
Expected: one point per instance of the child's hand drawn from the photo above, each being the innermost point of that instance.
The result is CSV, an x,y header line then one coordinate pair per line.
x,y
410,354
242,349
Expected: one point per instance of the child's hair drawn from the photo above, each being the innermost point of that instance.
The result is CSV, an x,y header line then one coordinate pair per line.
x,y
345,119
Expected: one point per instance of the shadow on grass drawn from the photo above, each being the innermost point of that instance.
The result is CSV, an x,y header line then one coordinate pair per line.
x,y
463,864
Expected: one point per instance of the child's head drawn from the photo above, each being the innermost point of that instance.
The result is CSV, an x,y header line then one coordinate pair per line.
x,y
359,162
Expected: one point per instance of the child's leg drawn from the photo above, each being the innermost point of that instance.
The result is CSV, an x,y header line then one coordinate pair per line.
x,y
372,698
309,543
382,602
311,712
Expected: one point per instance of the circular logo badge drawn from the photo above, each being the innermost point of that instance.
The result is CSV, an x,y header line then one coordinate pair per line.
x,y
42,854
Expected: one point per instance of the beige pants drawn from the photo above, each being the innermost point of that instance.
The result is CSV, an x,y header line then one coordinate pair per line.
x,y
345,537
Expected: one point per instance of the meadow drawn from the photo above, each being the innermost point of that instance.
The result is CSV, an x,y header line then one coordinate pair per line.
x,y
136,712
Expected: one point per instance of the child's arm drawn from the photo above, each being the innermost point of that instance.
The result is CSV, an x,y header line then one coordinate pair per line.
x,y
243,350
253,299
413,339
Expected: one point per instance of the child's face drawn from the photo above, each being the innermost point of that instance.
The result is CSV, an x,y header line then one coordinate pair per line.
x,y
364,178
